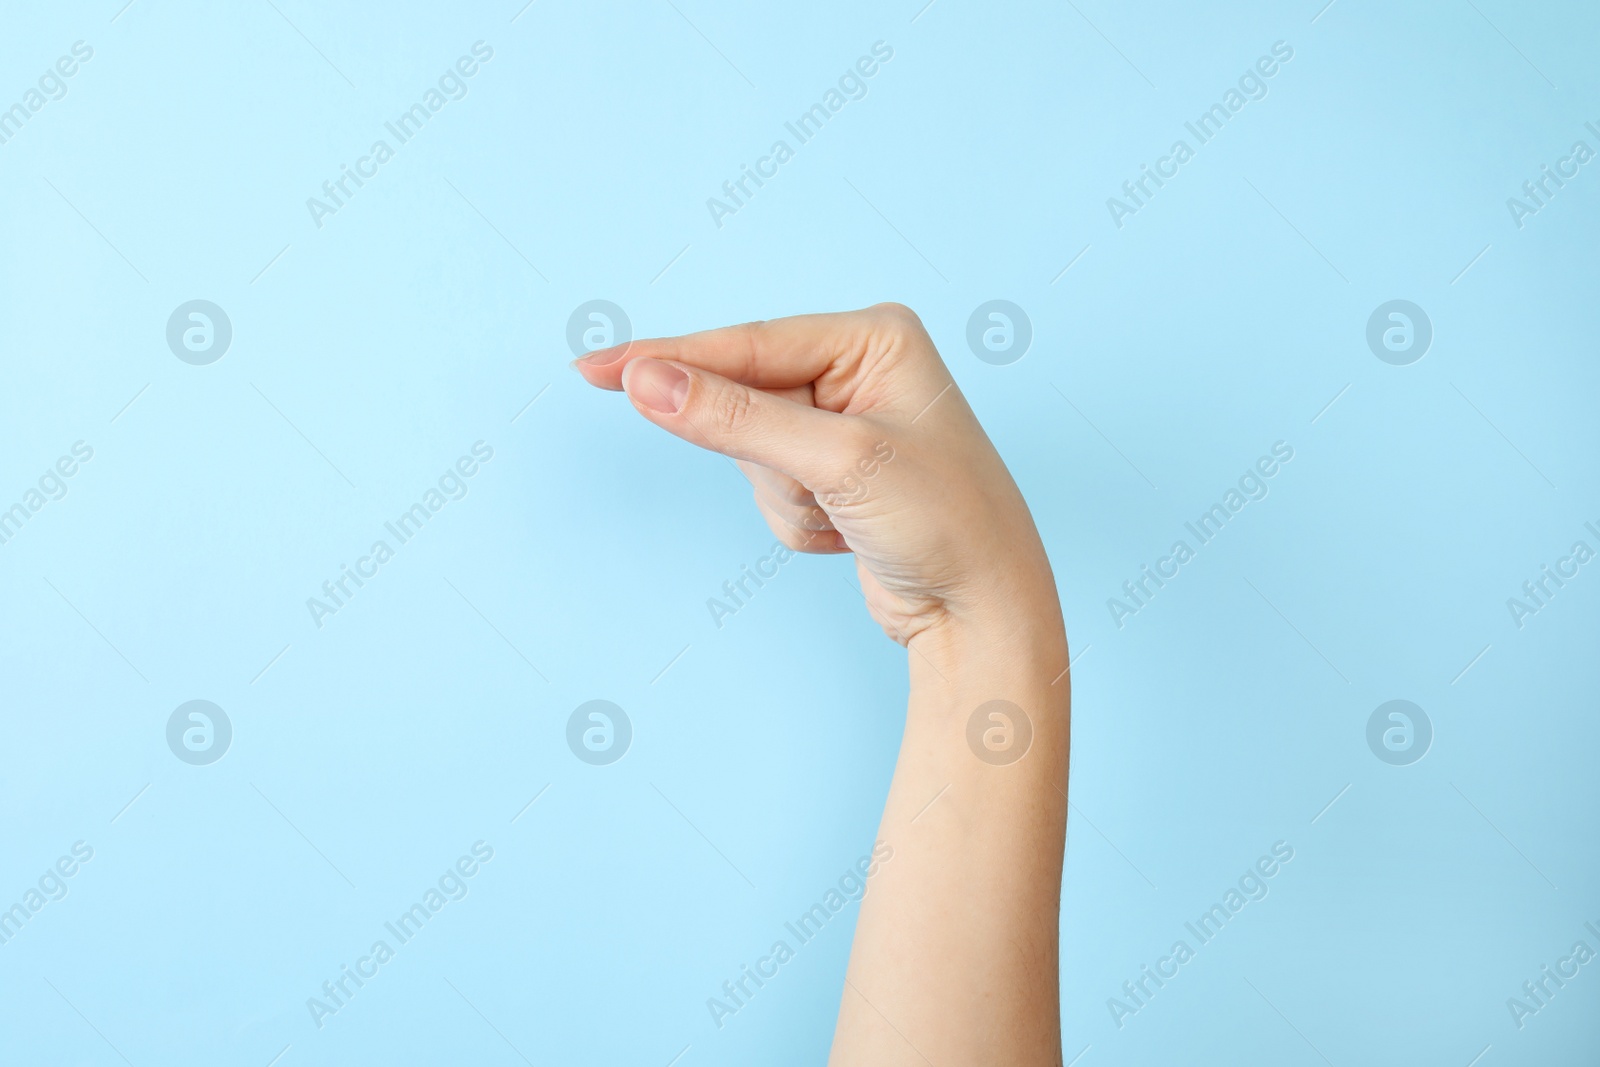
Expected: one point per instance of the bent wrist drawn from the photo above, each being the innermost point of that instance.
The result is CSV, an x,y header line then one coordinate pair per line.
x,y
1020,630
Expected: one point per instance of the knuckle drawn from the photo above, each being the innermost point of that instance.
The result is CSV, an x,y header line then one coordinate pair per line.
x,y
783,525
750,336
897,336
898,317
816,520
792,538
733,409
797,494
857,445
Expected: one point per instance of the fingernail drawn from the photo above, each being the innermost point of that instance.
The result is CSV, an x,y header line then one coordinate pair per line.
x,y
658,386
602,357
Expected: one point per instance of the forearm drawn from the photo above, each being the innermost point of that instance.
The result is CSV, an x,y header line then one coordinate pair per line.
x,y
955,955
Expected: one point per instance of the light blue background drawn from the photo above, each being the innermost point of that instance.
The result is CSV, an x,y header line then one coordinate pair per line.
x,y
370,353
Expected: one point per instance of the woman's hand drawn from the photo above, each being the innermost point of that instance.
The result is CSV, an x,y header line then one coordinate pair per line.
x,y
855,438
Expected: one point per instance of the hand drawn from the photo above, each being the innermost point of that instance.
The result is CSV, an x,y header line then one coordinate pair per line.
x,y
856,439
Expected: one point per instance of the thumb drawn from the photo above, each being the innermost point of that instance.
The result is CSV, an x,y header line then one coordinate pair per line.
x,y
808,444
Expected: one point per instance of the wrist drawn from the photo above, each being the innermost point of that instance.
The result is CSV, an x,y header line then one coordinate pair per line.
x,y
993,697
1022,636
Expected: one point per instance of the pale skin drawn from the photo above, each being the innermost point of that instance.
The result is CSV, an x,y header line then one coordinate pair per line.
x,y
955,953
